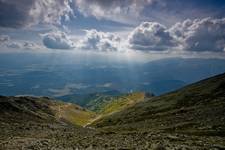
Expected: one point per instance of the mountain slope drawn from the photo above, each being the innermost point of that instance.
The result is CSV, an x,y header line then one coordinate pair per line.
x,y
35,123
20,109
91,101
196,109
73,113
107,102
120,103
191,118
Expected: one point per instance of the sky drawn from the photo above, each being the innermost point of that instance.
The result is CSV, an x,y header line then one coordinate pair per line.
x,y
139,29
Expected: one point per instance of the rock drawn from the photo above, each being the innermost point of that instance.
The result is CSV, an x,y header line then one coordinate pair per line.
x,y
158,146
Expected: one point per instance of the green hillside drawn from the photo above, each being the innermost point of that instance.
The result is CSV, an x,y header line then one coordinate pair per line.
x,y
104,105
192,118
119,103
18,109
91,101
97,101
72,113
196,109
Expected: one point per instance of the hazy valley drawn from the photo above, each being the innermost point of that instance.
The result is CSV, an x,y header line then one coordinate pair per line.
x,y
112,74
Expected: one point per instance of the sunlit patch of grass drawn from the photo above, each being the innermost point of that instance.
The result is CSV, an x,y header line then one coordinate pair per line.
x,y
73,114
122,102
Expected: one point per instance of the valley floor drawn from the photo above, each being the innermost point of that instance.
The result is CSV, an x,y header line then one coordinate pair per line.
x,y
59,137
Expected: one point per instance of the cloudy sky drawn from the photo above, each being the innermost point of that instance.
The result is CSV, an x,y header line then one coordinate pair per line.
x,y
158,28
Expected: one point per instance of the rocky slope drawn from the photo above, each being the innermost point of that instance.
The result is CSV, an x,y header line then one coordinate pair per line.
x,y
198,109
43,109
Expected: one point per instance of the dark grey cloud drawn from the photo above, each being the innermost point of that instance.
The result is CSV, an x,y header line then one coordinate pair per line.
x,y
151,36
14,45
190,35
168,12
7,42
116,10
23,45
163,11
58,40
31,45
4,38
20,13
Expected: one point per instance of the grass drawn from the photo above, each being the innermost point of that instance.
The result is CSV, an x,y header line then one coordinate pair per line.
x,y
121,102
200,105
190,118
73,114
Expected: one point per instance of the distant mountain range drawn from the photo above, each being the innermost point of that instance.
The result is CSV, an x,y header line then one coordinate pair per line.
x,y
44,77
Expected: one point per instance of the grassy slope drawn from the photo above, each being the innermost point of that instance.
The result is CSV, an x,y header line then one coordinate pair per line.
x,y
81,116
15,109
104,106
198,108
119,103
73,113
96,102
32,123
22,109
44,109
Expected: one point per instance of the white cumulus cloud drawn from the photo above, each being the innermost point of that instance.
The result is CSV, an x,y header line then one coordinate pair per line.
x,y
58,40
100,41
151,36
199,35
